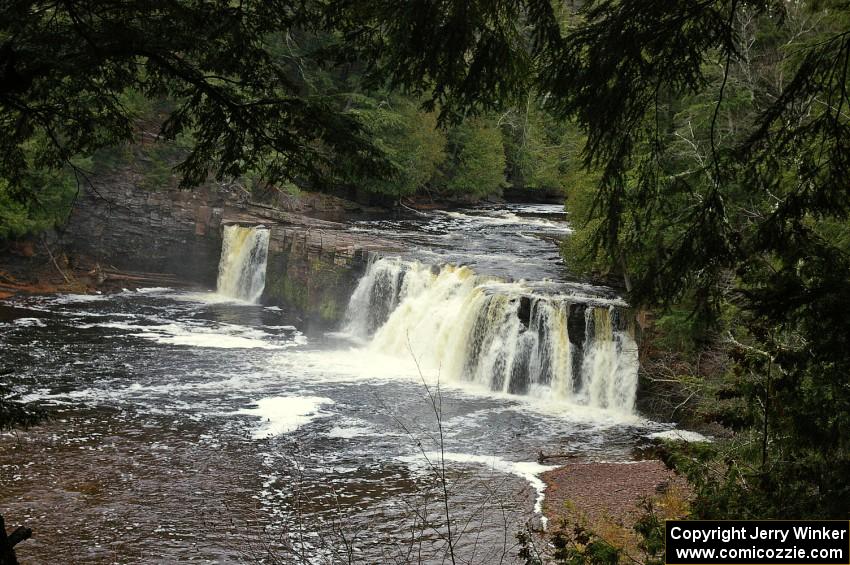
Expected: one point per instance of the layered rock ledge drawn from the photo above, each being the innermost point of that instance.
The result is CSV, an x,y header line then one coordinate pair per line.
x,y
313,264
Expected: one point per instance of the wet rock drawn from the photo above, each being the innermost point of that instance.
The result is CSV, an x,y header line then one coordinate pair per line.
x,y
576,325
524,310
536,524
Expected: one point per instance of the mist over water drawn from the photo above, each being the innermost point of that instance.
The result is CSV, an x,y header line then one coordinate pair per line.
x,y
222,430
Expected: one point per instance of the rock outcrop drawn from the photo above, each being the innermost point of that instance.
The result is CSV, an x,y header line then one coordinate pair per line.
x,y
313,264
128,228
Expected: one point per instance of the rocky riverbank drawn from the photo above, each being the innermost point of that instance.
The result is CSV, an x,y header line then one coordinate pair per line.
x,y
606,497
46,271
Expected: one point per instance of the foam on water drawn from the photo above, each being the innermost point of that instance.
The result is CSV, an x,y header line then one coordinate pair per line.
x,y
365,365
517,242
679,435
506,218
154,290
284,414
29,322
350,432
528,470
177,336
77,298
205,298
200,334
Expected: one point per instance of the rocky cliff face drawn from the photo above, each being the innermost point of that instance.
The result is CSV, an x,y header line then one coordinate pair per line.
x,y
137,230
313,265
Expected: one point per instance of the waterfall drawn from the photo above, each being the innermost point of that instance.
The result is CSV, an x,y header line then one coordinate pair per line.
x,y
610,362
242,267
504,336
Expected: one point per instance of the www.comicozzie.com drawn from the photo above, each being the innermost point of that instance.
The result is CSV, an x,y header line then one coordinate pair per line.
x,y
804,542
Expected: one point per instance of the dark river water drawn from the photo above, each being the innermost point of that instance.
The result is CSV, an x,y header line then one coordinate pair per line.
x,y
189,427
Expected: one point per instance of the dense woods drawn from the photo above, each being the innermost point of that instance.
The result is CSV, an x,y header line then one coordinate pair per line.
x,y
729,217
272,105
703,148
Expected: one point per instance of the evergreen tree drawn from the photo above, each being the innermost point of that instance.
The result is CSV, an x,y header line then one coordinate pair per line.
x,y
410,140
476,166
64,67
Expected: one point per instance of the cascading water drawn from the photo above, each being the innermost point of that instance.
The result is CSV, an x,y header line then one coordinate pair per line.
x,y
372,435
242,267
505,336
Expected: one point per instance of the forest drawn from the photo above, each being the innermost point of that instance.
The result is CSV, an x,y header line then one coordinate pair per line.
x,y
701,150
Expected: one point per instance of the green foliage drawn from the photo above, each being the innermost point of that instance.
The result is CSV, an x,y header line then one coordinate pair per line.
x,y
577,545
650,529
47,202
679,330
76,75
535,148
45,209
284,95
476,162
408,138
733,210
465,57
583,547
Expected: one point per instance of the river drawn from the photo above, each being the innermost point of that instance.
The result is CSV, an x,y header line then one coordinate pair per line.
x,y
199,426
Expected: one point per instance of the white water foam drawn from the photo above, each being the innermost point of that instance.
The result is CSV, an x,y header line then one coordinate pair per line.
x,y
219,336
528,470
77,298
679,435
506,218
177,336
365,365
29,322
350,432
285,414
154,290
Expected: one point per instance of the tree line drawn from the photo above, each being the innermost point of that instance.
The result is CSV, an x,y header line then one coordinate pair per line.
x,y
276,109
